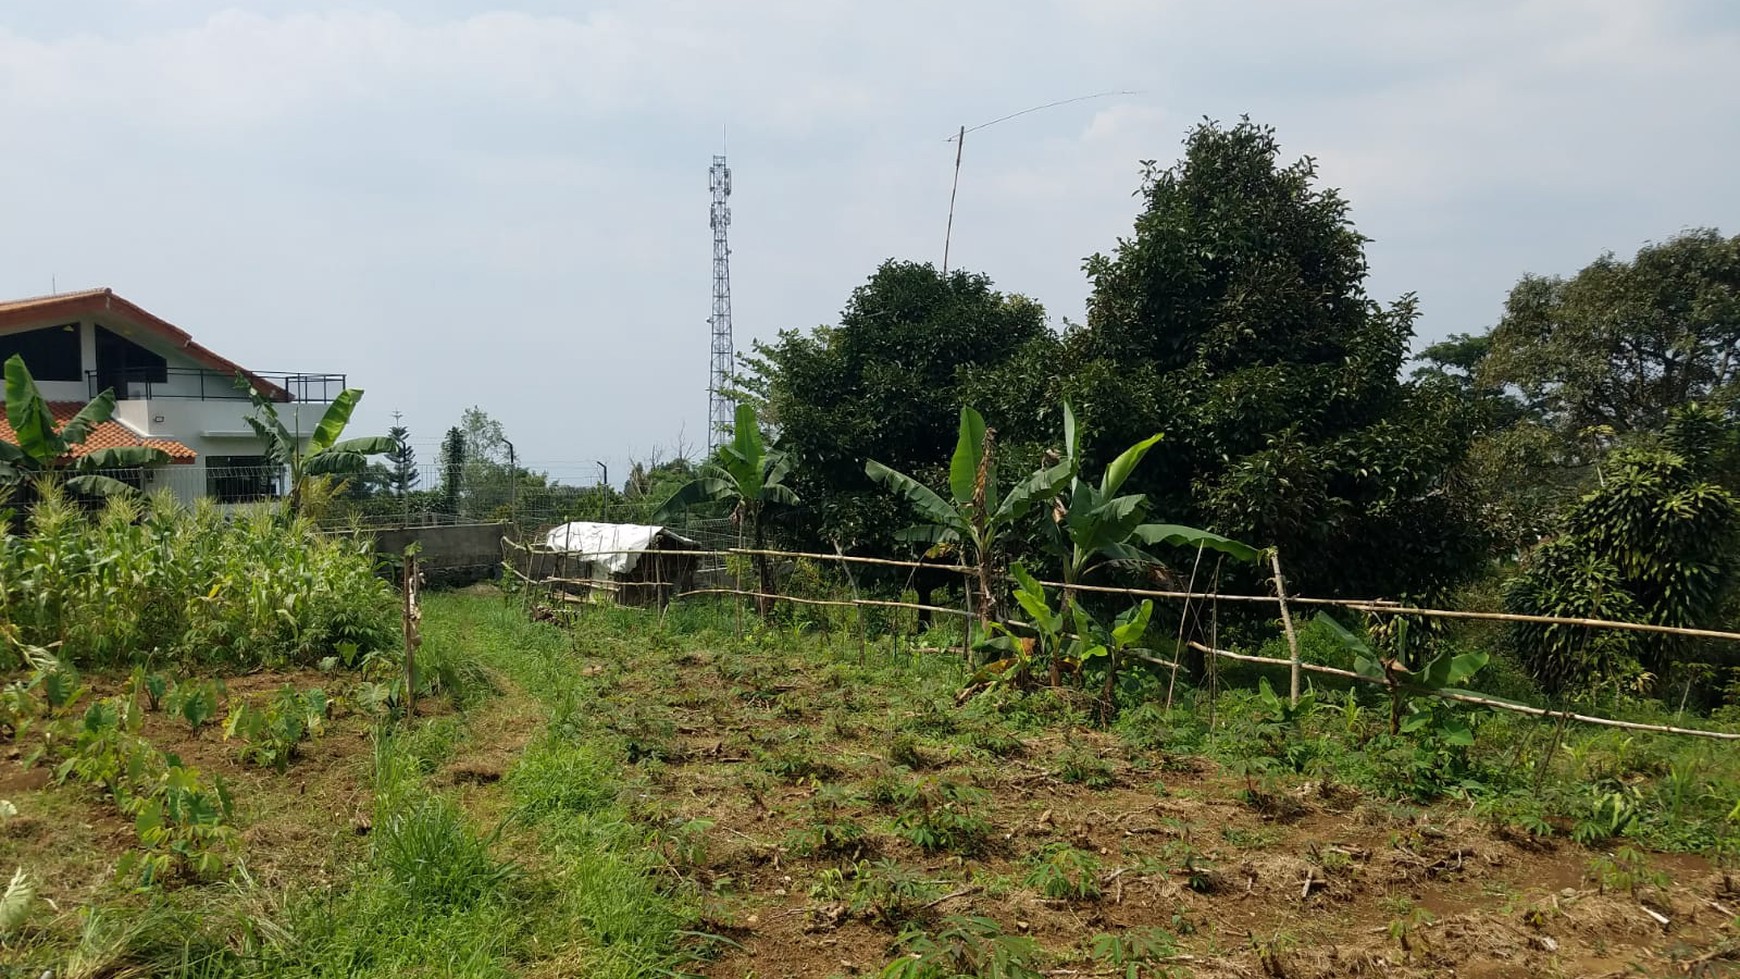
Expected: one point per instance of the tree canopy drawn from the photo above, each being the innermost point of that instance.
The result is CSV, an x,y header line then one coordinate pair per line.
x,y
1616,348
882,384
1234,320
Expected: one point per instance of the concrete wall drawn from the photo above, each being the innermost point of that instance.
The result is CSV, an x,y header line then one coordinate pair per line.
x,y
451,556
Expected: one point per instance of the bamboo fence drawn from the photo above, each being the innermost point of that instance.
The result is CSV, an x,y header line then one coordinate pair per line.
x,y
1280,598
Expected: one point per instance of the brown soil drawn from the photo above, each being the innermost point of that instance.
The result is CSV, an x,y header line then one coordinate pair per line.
x,y
1323,883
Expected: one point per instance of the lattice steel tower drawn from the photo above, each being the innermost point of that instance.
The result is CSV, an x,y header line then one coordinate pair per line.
x,y
720,407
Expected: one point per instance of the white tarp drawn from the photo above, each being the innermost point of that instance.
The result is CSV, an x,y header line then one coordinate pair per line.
x,y
596,542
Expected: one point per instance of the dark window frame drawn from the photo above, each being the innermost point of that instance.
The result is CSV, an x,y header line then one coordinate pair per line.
x,y
53,353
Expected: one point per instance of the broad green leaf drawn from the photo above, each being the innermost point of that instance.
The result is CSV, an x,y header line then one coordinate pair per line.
x,y
1041,485
1465,665
1182,536
333,421
689,494
98,410
334,462
929,505
925,534
368,445
1355,643
92,485
28,414
1130,628
964,466
123,457
1125,464
1454,730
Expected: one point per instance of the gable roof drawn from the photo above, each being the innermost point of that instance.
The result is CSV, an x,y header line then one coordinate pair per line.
x,y
109,435
16,312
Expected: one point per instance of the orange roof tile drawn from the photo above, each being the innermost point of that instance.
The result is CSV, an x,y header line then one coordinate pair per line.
x,y
104,300
109,435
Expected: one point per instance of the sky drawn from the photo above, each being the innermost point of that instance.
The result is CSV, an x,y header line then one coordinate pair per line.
x,y
462,204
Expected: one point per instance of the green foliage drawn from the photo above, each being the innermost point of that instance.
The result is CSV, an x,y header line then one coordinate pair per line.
x,y
977,513
194,701
1132,948
1653,542
1234,318
938,814
883,892
1062,872
749,475
882,384
155,580
1621,346
270,735
44,450
320,452
965,947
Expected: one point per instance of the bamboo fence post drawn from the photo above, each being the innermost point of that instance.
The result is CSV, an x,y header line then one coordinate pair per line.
x,y
413,630
1287,624
857,610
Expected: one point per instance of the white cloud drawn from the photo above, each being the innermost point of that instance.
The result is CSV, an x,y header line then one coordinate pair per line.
x,y
444,202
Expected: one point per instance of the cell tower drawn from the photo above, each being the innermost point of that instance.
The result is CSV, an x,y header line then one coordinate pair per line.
x,y
720,407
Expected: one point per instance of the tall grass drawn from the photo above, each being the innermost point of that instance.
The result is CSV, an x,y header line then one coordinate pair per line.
x,y
154,580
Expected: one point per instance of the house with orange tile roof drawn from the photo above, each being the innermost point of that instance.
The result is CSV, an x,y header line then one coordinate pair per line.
x,y
171,392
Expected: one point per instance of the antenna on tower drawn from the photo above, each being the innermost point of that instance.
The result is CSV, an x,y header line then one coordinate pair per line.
x,y
720,407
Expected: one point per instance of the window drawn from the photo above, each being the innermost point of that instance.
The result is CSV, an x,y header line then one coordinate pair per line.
x,y
121,362
52,354
240,479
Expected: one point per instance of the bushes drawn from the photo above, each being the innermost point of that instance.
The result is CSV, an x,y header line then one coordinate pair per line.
x,y
152,580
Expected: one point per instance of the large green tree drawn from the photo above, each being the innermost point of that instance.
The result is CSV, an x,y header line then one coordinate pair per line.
x,y
882,384
1234,319
1653,541
1618,347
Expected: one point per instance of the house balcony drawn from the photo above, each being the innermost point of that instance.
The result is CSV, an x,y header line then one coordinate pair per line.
x,y
192,384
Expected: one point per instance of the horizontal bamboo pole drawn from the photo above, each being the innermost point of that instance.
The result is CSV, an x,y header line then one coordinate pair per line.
x,y
824,601
854,559
1473,699
1391,608
1359,605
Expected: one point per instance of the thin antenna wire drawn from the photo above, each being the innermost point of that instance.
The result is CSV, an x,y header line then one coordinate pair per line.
x,y
960,141
1048,105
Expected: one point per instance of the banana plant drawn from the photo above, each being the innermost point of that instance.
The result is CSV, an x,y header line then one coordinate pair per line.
x,y
1097,522
1114,644
45,451
320,453
1443,673
975,514
748,474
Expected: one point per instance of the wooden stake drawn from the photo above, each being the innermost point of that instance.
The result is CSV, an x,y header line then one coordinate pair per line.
x,y
413,629
1287,624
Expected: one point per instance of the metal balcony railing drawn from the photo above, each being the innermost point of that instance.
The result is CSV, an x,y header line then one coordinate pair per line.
x,y
193,384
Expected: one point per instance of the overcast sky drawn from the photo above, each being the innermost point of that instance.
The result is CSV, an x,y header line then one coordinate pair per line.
x,y
457,204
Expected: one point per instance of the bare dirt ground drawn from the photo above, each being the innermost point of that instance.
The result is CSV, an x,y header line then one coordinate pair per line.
x,y
751,756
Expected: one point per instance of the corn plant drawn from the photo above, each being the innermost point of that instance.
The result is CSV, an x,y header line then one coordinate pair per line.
x,y
152,580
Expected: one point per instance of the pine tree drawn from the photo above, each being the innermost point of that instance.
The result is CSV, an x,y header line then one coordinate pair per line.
x,y
402,462
452,468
